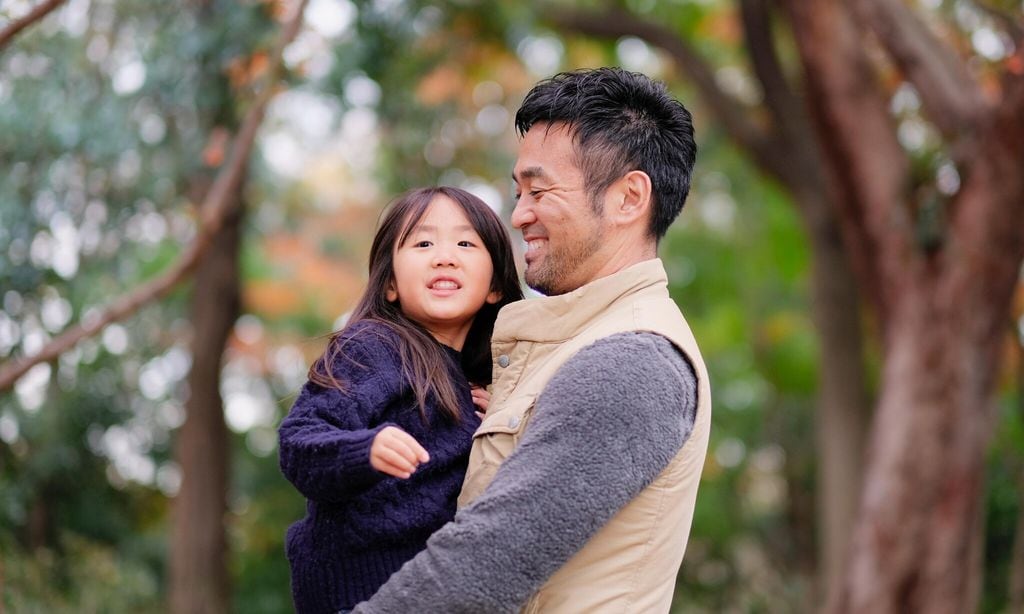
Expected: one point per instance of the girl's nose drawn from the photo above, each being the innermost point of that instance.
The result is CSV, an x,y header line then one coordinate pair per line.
x,y
444,257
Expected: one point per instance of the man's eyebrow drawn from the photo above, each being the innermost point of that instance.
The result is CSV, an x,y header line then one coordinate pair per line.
x,y
530,172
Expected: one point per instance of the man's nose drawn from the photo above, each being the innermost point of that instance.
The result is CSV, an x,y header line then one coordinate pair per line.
x,y
522,214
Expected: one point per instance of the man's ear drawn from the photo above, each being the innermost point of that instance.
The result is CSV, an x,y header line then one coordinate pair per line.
x,y
634,200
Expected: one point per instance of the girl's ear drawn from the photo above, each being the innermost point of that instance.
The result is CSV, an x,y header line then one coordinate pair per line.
x,y
391,294
493,297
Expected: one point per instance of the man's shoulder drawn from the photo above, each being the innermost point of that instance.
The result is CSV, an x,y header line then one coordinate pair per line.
x,y
619,358
629,345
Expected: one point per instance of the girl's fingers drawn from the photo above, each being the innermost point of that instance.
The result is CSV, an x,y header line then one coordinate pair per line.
x,y
396,443
481,398
396,453
389,469
418,453
388,456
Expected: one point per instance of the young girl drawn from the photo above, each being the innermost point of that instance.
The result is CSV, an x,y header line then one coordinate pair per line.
x,y
379,437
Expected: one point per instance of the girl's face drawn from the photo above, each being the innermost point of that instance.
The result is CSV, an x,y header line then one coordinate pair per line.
x,y
442,273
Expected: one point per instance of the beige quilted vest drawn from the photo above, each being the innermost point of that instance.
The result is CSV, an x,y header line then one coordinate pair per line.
x,y
630,565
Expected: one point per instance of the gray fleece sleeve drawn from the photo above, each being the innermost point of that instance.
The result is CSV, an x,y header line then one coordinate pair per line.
x,y
607,423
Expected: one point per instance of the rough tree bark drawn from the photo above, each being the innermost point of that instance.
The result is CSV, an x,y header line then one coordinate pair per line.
x,y
842,415
940,296
198,577
199,582
198,570
785,147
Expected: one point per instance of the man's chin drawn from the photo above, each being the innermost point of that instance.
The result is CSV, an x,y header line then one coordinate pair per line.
x,y
542,284
537,282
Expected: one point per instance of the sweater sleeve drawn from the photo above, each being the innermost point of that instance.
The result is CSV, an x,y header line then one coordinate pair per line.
x,y
606,425
325,440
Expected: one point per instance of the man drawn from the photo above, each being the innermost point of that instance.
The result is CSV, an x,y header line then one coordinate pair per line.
x,y
583,475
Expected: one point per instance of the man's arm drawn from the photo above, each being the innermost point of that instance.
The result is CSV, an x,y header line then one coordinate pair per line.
x,y
606,425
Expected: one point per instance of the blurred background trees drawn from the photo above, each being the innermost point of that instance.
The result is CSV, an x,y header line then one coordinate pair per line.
x,y
850,259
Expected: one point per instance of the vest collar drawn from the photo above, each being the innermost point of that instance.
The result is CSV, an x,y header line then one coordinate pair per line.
x,y
552,319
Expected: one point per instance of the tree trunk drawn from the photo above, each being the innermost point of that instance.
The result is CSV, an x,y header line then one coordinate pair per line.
x,y
199,581
914,548
911,550
39,526
841,415
843,410
941,301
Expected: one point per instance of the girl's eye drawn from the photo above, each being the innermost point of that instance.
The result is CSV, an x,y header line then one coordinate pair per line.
x,y
466,244
422,244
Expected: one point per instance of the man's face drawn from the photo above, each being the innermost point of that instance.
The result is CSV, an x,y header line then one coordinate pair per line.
x,y
563,234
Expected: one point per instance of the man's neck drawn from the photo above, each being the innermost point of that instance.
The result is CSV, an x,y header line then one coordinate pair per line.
x,y
625,257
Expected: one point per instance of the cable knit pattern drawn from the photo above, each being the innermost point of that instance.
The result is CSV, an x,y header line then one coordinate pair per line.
x,y
362,525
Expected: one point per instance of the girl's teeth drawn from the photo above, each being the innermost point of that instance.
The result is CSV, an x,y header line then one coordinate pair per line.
x,y
445,285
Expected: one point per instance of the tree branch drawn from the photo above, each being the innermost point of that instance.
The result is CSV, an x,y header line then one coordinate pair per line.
x,y
801,165
37,13
214,209
757,31
859,145
953,100
615,22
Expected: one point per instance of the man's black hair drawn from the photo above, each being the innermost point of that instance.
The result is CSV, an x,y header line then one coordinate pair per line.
x,y
620,121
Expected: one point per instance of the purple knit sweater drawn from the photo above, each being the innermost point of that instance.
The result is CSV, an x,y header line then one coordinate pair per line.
x,y
362,525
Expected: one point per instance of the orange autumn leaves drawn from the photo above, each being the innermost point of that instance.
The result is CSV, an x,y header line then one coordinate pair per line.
x,y
301,273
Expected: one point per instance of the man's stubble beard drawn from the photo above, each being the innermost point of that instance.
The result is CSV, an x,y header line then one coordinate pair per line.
x,y
555,273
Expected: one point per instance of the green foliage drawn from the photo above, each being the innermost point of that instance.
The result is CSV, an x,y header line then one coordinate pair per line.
x,y
267,505
1003,499
104,115
738,264
84,577
96,159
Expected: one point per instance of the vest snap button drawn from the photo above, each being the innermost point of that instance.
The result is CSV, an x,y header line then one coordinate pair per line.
x,y
513,422
503,361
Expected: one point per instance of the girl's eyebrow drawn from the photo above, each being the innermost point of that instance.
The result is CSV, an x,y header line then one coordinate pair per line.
x,y
431,228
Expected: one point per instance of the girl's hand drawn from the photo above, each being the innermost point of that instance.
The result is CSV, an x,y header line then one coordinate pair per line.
x,y
482,399
396,453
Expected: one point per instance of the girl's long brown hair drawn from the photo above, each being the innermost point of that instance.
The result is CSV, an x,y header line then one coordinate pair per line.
x,y
422,357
